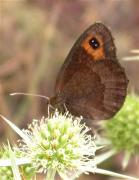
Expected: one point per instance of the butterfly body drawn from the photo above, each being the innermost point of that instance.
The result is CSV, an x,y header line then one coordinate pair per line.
x,y
91,82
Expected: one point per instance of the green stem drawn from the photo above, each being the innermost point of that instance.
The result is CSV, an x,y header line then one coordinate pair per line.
x,y
51,174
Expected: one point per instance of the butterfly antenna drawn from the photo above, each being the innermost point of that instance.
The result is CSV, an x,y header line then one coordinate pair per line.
x,y
30,94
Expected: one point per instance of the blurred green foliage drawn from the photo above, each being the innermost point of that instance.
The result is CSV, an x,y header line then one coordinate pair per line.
x,y
6,172
123,129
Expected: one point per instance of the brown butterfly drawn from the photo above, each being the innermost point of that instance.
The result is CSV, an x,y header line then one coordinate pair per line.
x,y
91,82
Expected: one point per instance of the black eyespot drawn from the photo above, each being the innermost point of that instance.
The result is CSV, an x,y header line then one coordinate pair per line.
x,y
94,43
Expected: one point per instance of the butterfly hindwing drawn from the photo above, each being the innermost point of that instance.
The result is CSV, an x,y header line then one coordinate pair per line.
x,y
91,81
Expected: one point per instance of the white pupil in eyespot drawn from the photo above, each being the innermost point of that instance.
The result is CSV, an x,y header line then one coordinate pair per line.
x,y
94,43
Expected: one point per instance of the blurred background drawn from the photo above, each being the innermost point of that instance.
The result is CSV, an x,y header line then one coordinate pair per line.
x,y
35,38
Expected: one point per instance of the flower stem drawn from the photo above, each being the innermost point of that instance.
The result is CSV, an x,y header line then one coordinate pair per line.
x,y
51,174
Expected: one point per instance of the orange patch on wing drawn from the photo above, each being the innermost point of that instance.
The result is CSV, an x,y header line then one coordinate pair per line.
x,y
97,54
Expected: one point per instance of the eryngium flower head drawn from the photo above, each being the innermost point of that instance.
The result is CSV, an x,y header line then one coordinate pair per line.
x,y
6,171
123,129
60,143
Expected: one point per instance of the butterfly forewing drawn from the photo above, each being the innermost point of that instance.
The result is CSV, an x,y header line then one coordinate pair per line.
x,y
91,81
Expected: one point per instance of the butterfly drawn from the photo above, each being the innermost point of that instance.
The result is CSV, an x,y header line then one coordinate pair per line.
x,y
91,82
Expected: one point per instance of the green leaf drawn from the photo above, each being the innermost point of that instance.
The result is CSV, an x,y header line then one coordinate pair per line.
x,y
14,166
110,173
17,130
